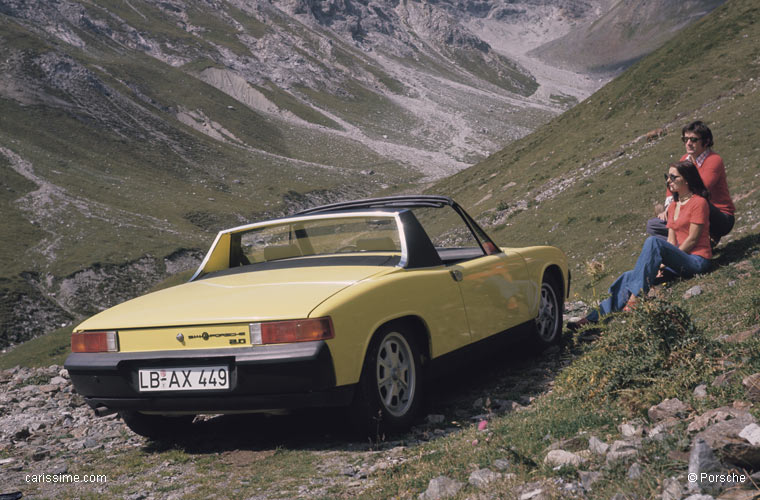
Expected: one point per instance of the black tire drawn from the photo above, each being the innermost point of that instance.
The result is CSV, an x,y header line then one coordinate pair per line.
x,y
390,392
548,322
158,427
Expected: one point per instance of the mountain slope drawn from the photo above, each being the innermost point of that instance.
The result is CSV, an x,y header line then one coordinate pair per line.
x,y
588,180
624,34
131,131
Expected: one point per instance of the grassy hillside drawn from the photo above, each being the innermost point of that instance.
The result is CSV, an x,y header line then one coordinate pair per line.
x,y
588,180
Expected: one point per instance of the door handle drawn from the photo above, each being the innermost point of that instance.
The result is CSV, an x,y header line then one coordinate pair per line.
x,y
456,274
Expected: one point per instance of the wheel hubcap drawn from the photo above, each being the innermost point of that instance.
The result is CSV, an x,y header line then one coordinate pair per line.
x,y
548,314
395,374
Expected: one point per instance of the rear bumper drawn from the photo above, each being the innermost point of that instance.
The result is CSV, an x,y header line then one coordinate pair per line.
x,y
273,377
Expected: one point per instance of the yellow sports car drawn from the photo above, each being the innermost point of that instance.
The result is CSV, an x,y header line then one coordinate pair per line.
x,y
354,304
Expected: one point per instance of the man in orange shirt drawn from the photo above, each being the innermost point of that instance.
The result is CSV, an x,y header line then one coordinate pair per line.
x,y
698,139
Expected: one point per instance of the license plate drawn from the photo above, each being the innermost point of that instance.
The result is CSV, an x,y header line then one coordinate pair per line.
x,y
207,378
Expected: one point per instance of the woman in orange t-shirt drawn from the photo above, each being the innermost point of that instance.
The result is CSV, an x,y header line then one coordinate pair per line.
x,y
686,253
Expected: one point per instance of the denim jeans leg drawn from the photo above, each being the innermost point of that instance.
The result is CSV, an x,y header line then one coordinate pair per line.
x,y
654,252
619,294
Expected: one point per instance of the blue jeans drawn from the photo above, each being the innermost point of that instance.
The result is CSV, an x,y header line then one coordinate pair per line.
x,y
641,278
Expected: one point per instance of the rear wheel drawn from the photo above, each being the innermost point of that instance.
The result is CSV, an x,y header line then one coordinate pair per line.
x,y
157,427
389,395
549,319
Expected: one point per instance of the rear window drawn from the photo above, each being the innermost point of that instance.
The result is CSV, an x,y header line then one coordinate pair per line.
x,y
316,237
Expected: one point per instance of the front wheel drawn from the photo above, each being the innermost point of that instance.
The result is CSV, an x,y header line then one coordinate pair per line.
x,y
389,395
549,319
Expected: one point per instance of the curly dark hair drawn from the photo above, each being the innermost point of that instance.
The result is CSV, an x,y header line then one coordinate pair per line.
x,y
702,130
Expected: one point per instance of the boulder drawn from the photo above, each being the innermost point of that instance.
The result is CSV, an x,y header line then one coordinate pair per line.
x,y
560,458
705,471
622,451
716,415
588,478
482,477
671,489
725,440
441,487
667,409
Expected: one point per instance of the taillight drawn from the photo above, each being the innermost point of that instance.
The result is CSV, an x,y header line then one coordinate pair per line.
x,y
297,330
95,342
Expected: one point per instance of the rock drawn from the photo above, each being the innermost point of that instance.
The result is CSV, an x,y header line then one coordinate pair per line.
x,y
588,478
715,415
634,471
661,430
533,495
699,497
441,487
671,489
482,477
700,391
621,451
723,438
501,464
631,429
573,444
58,381
347,470
597,446
669,408
702,461
91,443
506,406
752,434
724,379
692,292
560,458
751,385
740,337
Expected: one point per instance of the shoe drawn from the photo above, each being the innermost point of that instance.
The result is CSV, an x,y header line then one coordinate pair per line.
x,y
577,325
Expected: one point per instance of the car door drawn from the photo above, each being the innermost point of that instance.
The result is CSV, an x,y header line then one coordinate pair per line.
x,y
495,292
493,283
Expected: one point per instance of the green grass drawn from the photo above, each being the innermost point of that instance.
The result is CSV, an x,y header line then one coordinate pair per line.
x,y
49,349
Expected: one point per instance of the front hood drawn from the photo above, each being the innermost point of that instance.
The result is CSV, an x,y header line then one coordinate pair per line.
x,y
244,297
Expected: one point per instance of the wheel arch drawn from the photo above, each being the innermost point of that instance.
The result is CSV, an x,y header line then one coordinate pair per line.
x,y
554,272
414,326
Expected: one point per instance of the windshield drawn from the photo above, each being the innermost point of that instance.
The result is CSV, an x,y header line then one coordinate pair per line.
x,y
315,237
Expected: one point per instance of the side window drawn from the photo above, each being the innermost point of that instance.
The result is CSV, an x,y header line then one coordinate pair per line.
x,y
449,233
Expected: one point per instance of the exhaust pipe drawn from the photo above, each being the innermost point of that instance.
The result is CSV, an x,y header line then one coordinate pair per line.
x,y
103,411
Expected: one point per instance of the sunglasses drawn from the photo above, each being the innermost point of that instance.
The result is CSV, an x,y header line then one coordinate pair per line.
x,y
691,139
671,177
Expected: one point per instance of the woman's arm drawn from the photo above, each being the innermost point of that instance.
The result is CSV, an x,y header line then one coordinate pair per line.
x,y
695,230
672,237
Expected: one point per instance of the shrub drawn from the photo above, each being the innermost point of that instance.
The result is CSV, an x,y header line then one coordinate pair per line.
x,y
656,353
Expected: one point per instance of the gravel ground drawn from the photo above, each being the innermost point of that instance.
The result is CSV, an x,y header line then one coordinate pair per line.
x,y
46,429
